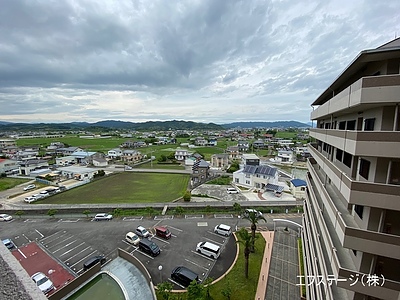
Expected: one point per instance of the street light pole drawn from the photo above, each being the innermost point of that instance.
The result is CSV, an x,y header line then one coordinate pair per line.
x,y
160,269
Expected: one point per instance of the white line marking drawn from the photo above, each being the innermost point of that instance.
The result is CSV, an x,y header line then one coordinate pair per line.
x,y
39,233
83,258
202,255
26,238
174,228
77,254
132,219
193,217
68,221
51,235
192,262
178,284
65,246
72,249
145,254
214,241
70,237
21,253
161,240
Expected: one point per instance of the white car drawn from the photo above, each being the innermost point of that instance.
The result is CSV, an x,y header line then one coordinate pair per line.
x,y
103,216
250,210
38,196
29,187
142,232
232,191
5,217
43,282
223,229
30,199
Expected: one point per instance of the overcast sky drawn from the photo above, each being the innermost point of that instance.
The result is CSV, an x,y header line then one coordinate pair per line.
x,y
206,61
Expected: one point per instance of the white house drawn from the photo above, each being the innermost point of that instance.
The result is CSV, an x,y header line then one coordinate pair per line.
x,y
182,154
66,160
283,157
114,153
298,188
261,177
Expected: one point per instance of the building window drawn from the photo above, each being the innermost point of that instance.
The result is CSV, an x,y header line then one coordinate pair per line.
x,y
395,173
351,125
359,209
342,125
247,182
339,155
347,159
369,124
364,168
237,180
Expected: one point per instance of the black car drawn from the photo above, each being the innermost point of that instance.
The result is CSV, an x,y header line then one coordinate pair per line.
x,y
92,261
149,247
184,276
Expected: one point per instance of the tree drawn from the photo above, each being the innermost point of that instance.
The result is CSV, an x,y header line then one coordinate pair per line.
x,y
254,218
207,286
19,213
246,239
52,212
227,290
86,212
179,210
164,289
187,196
195,291
162,158
237,207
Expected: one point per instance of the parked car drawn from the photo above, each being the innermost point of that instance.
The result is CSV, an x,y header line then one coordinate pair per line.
x,y
132,238
184,276
38,196
30,199
90,262
44,193
208,249
250,210
103,216
9,243
29,187
223,229
43,282
232,191
5,217
149,247
142,232
163,232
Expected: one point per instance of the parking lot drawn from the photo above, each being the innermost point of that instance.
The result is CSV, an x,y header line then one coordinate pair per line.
x,y
71,241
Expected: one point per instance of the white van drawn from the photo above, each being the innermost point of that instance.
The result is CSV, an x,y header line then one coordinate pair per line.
x,y
132,238
208,249
223,229
232,190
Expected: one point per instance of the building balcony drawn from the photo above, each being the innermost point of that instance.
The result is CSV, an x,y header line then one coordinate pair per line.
x,y
361,143
357,192
370,91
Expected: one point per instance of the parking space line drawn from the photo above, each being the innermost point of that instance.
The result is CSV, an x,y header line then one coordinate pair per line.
x,y
21,253
174,228
77,254
56,238
29,220
70,237
83,258
68,221
72,249
51,235
194,217
223,216
214,241
145,254
216,234
161,240
202,255
39,233
170,279
200,266
26,238
65,246
132,219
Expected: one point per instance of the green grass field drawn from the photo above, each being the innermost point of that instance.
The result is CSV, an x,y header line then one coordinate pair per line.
x,y
8,183
125,187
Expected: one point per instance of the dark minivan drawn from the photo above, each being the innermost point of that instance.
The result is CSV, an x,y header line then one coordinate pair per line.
x,y
92,261
184,275
149,247
163,232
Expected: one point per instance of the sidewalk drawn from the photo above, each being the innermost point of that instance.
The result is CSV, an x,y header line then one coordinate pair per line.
x,y
264,272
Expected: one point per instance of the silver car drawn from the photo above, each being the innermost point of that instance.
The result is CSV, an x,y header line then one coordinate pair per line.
x,y
103,216
43,282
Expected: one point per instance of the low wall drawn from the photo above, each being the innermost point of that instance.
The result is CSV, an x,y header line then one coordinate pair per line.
x,y
77,282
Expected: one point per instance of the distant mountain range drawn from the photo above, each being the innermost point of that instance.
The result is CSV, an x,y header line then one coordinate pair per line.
x,y
145,126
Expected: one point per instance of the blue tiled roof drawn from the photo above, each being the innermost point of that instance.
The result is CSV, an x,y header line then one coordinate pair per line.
x,y
298,182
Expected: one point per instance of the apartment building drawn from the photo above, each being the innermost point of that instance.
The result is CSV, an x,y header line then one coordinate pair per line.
x,y
351,236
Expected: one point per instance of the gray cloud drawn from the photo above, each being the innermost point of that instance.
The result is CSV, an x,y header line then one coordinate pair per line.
x,y
195,60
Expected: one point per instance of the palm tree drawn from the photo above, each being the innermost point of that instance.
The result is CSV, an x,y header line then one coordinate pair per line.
x,y
246,239
254,217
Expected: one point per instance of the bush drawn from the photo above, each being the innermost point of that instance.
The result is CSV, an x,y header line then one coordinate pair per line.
x,y
187,196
